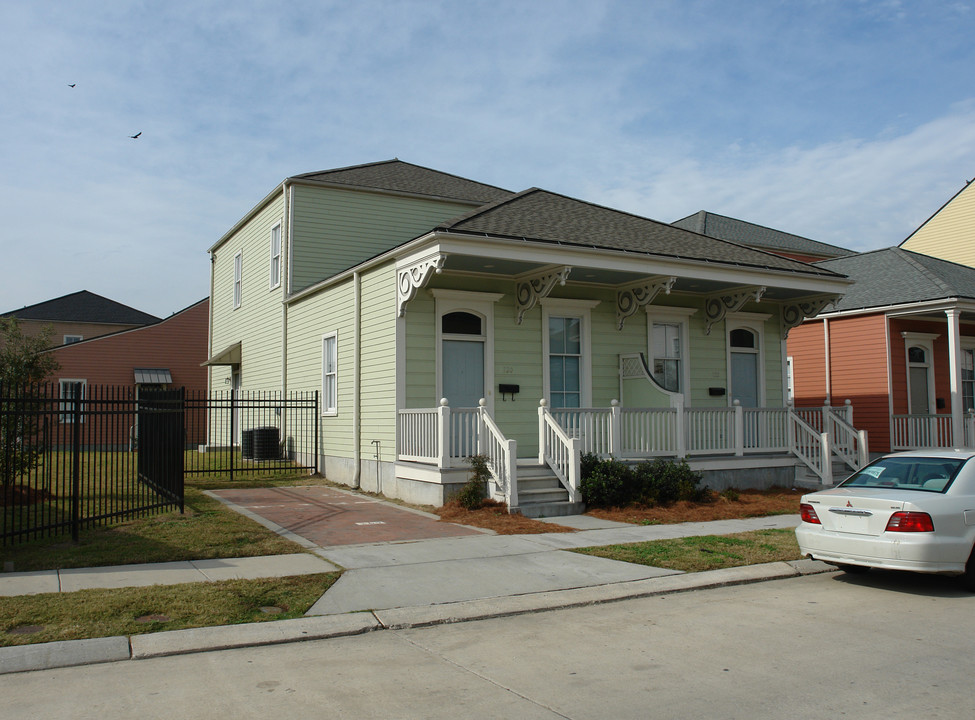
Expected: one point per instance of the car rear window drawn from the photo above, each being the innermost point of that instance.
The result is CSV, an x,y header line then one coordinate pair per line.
x,y
928,474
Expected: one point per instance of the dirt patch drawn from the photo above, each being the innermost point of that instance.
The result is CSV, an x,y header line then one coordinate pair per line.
x,y
749,503
11,495
495,516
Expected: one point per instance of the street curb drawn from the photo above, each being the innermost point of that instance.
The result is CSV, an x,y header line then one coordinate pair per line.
x,y
47,656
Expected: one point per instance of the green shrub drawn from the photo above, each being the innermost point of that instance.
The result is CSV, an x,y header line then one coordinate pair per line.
x,y
731,494
608,483
472,495
611,483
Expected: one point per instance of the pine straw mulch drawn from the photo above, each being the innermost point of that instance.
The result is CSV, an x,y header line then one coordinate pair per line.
x,y
749,503
11,495
493,515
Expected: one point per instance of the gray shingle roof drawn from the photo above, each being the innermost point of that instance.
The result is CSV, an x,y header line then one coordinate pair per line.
x,y
399,176
83,307
543,216
894,276
746,233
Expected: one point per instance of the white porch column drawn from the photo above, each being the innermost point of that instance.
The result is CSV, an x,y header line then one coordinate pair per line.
x,y
954,376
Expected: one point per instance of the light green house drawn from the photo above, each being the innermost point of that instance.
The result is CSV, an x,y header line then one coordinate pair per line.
x,y
439,317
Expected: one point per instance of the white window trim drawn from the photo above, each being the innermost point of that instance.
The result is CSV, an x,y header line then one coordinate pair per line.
x,y
274,282
65,407
477,303
238,294
926,341
679,316
582,309
330,411
753,322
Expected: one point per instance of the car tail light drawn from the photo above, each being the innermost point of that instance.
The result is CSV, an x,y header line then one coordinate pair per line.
x,y
808,513
910,522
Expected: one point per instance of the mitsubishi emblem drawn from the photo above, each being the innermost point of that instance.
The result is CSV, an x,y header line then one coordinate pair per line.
x,y
849,504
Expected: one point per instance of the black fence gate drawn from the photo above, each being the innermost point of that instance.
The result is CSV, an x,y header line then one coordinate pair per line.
x,y
162,441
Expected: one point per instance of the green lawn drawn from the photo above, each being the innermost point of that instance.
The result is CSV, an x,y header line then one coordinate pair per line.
x,y
707,552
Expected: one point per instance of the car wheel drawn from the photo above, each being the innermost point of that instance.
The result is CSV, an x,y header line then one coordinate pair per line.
x,y
968,579
853,569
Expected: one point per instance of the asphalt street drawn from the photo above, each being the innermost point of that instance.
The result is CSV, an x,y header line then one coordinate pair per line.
x,y
883,645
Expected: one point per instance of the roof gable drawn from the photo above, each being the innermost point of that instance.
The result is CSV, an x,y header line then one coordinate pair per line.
x,y
398,176
543,216
83,307
746,233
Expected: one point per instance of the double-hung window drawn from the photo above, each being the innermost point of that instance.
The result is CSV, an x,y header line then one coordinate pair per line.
x,y
70,391
238,278
968,378
330,374
565,361
275,252
667,355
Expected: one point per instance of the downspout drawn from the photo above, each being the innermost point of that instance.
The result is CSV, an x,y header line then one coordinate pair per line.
x,y
285,283
356,425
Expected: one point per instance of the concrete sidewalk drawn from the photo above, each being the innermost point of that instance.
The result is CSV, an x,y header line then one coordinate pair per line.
x,y
169,573
407,584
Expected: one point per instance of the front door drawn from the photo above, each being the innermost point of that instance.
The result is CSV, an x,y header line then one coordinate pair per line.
x,y
463,372
744,367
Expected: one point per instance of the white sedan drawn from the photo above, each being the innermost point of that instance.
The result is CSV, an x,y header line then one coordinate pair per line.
x,y
907,511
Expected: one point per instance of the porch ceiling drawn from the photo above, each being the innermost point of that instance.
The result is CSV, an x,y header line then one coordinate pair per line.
x,y
512,269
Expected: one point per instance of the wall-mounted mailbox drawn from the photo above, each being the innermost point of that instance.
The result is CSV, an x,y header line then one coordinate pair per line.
x,y
508,390
716,392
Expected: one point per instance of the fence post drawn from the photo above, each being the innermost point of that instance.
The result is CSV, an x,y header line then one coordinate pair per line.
x,y
443,434
680,430
512,471
541,431
234,421
826,458
575,470
317,470
76,464
616,430
739,428
482,440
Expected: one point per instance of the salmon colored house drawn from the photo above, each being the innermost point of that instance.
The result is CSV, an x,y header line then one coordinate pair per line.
x,y
900,344
166,354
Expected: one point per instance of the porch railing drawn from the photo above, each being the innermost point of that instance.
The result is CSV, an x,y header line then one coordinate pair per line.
x,y
848,443
921,431
446,437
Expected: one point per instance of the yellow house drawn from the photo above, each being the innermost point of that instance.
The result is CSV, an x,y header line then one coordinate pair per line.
x,y
949,234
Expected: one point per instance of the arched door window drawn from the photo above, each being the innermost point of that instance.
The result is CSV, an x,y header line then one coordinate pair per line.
x,y
744,350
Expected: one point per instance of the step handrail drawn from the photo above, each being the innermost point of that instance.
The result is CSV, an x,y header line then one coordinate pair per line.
x,y
501,454
559,451
811,447
849,444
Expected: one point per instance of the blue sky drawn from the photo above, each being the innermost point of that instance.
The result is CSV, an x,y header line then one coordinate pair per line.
x,y
849,122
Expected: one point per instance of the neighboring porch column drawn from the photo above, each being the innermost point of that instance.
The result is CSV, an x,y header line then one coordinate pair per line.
x,y
954,377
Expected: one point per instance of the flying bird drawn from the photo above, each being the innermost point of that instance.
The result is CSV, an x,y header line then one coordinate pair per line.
x,y
136,136
72,84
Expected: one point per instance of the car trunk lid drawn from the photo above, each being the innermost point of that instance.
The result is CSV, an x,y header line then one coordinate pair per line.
x,y
857,512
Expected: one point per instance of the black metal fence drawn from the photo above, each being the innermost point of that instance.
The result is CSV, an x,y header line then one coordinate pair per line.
x,y
74,456
237,432
68,459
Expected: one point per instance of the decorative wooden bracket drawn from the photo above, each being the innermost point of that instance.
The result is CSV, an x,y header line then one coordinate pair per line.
x,y
532,289
719,305
410,279
633,297
794,313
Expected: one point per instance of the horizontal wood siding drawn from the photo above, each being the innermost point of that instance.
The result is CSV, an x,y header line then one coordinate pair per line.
x,y
858,372
807,348
331,310
177,344
257,323
948,234
378,362
336,229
